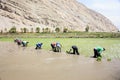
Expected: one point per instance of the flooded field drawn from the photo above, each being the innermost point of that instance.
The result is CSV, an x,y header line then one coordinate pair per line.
x,y
18,63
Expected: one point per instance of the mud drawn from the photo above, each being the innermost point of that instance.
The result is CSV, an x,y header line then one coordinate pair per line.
x,y
18,63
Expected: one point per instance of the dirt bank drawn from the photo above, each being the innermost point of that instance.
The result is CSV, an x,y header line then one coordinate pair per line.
x,y
18,63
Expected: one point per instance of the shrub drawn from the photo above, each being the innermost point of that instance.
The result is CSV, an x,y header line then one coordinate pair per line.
x,y
87,29
12,30
46,30
108,59
37,30
57,29
65,30
98,59
25,30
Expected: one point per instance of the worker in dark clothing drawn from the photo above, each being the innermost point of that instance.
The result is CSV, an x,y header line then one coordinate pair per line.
x,y
53,45
18,41
97,51
75,50
39,45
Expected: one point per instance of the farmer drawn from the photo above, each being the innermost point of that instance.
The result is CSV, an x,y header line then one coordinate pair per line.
x,y
75,50
18,41
25,43
58,47
39,45
97,51
53,45
15,40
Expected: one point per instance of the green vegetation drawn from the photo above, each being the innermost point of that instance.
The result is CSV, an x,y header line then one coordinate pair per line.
x,y
57,29
87,29
25,30
12,30
99,59
85,41
85,45
37,29
46,30
47,34
108,59
65,30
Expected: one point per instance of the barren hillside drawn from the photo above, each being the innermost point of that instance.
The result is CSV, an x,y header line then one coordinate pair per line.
x,y
51,14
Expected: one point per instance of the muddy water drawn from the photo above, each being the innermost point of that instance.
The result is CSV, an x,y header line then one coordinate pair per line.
x,y
18,63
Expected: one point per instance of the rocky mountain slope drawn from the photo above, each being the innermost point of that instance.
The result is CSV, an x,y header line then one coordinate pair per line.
x,y
51,14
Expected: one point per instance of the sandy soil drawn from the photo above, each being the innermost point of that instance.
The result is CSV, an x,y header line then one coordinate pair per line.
x,y
18,63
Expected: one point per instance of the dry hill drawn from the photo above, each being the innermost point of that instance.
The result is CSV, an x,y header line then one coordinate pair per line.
x,y
51,14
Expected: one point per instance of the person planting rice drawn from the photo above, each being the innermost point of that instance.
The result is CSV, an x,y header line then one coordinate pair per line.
x,y
75,50
58,47
39,45
97,51
25,43
53,45
15,40
18,41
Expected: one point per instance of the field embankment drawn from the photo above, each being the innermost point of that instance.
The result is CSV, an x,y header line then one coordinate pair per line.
x,y
64,35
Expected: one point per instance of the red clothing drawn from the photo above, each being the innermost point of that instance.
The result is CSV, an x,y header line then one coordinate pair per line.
x,y
54,44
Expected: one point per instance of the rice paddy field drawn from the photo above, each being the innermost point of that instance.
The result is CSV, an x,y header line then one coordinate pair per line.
x,y
27,63
85,45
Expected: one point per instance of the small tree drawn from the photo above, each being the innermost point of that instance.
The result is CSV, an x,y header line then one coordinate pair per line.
x,y
37,29
87,29
25,30
65,30
12,30
57,29
46,30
